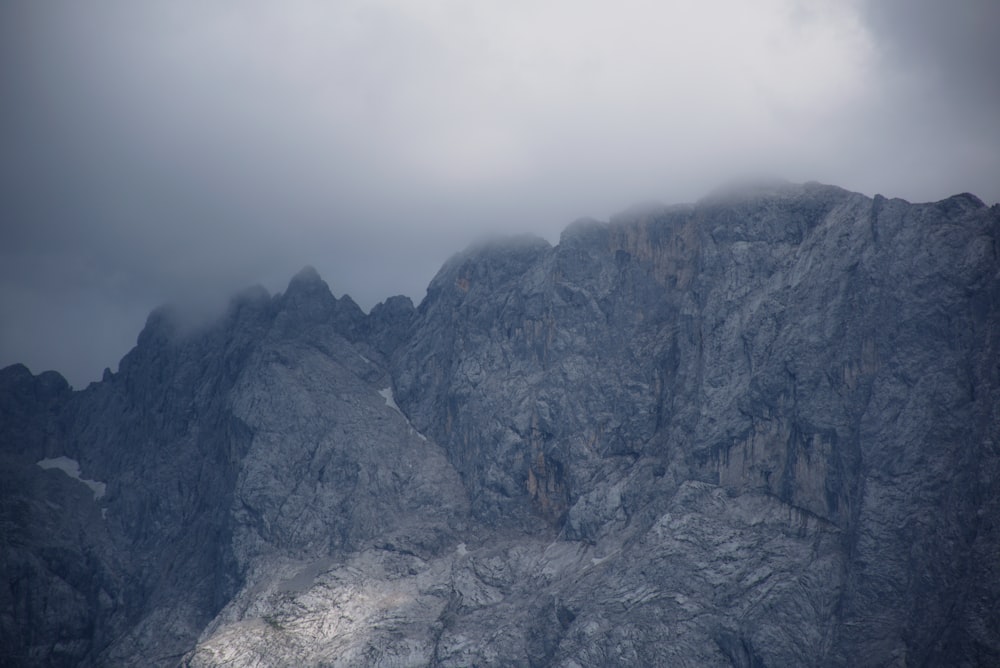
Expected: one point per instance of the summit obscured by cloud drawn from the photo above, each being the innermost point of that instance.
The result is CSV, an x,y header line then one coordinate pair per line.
x,y
179,151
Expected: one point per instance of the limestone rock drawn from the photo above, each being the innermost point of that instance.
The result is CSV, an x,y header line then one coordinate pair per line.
x,y
763,429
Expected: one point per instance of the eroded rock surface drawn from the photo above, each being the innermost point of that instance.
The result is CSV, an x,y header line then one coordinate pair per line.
x,y
761,430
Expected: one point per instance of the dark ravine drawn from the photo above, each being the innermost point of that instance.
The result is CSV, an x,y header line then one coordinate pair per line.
x,y
761,430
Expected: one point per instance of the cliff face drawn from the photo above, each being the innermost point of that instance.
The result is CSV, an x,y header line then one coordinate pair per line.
x,y
760,430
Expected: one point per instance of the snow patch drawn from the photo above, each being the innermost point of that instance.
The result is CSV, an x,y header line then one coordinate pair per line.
x,y
461,549
71,467
390,401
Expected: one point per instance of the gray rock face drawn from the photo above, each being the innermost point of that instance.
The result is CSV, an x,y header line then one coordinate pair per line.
x,y
761,430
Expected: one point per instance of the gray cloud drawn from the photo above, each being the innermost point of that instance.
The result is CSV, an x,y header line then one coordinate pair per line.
x,y
952,46
178,151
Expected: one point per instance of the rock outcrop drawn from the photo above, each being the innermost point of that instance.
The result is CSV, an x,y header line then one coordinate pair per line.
x,y
760,430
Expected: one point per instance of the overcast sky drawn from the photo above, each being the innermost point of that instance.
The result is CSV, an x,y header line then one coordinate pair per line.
x,y
181,150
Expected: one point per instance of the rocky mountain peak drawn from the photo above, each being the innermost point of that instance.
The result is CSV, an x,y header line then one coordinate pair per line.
x,y
963,203
756,430
306,276
308,302
162,326
307,290
583,232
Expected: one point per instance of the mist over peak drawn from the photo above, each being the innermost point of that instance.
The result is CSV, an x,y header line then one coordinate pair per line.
x,y
698,408
161,153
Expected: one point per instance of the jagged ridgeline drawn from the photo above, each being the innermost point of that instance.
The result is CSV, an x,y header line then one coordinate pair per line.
x,y
762,430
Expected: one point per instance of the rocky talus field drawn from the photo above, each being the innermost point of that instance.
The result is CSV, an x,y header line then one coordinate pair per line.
x,y
760,430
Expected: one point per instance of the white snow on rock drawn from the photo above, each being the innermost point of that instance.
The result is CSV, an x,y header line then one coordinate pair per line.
x,y
71,467
390,401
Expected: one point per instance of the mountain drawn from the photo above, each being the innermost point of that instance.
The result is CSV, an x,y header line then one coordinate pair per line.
x,y
761,430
